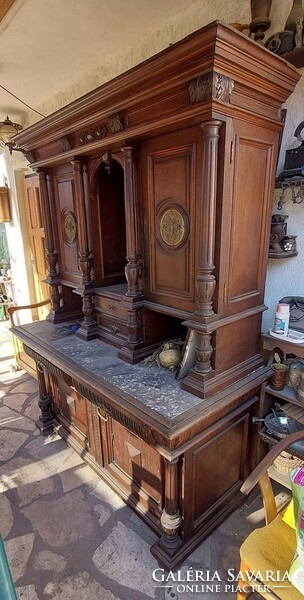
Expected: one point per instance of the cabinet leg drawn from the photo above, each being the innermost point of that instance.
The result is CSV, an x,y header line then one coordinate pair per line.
x,y
171,520
45,423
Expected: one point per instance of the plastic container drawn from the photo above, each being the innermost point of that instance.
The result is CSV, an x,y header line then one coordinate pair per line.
x,y
281,321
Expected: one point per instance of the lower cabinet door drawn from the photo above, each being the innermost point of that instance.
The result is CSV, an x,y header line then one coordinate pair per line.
x,y
137,467
214,470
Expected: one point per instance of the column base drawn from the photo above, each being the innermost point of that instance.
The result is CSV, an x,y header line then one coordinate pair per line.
x,y
45,428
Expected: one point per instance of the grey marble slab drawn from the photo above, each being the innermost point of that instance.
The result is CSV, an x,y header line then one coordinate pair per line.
x,y
154,387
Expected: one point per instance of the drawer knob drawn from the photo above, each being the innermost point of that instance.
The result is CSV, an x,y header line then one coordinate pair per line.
x,y
112,307
114,328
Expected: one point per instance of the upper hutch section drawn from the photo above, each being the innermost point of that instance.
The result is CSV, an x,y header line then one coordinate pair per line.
x,y
191,79
156,194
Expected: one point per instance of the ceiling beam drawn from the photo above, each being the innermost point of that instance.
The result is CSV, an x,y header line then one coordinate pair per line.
x,y
5,5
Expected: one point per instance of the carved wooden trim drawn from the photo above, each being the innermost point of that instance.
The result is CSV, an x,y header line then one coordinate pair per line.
x,y
38,358
210,86
114,124
142,431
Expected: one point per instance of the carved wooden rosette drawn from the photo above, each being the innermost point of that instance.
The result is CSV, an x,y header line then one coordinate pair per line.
x,y
45,422
171,519
45,193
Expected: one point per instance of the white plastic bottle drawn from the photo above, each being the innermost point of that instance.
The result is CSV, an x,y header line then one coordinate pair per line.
x,y
281,321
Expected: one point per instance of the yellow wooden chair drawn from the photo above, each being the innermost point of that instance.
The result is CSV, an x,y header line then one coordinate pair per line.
x,y
270,548
22,360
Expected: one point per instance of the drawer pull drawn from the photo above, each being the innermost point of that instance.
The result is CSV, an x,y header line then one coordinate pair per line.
x,y
112,307
101,416
114,328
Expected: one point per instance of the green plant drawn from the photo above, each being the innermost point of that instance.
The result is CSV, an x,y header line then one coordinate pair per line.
x,y
4,253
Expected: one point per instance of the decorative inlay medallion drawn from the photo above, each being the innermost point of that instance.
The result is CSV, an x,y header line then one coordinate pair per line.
x,y
69,226
172,227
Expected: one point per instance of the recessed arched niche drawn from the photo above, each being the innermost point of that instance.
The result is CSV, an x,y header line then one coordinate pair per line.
x,y
109,224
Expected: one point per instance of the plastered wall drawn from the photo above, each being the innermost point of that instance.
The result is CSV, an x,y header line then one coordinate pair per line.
x,y
284,276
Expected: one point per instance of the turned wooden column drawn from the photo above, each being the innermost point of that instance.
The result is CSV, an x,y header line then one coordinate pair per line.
x,y
53,278
205,280
84,259
88,329
45,422
133,267
171,519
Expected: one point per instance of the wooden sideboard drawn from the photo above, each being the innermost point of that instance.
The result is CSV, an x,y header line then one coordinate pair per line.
x,y
156,195
176,459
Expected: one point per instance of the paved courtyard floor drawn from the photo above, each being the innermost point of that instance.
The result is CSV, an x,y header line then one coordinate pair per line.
x,y
67,535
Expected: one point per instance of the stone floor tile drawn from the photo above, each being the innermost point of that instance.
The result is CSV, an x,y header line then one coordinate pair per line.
x,y
30,478
48,561
32,411
41,487
104,513
74,523
142,529
73,473
78,587
126,558
27,593
18,551
15,401
6,516
10,442
103,492
28,386
15,420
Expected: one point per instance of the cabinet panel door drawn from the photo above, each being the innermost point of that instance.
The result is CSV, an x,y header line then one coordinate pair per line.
x,y
65,201
170,180
214,470
247,233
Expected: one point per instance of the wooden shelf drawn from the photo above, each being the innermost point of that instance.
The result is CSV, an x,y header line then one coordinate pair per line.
x,y
288,394
279,256
291,182
295,57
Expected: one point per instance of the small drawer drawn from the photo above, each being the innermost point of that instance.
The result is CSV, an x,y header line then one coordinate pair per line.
x,y
110,307
115,327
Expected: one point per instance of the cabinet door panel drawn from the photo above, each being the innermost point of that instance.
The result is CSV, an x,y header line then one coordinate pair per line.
x,y
250,210
65,199
170,200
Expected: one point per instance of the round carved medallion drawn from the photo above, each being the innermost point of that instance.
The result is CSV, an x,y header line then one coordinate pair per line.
x,y
69,226
172,227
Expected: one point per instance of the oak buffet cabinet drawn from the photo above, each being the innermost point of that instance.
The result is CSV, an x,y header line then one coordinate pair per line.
x,y
156,195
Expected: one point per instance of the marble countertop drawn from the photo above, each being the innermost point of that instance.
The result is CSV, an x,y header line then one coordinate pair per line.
x,y
154,387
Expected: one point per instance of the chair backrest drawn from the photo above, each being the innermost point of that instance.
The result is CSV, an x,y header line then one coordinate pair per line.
x,y
260,474
22,360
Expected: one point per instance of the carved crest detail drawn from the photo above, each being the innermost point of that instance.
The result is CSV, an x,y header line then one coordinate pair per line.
x,y
210,86
65,143
115,123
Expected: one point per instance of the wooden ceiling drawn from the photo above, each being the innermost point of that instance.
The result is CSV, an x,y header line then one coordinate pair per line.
x,y
5,5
